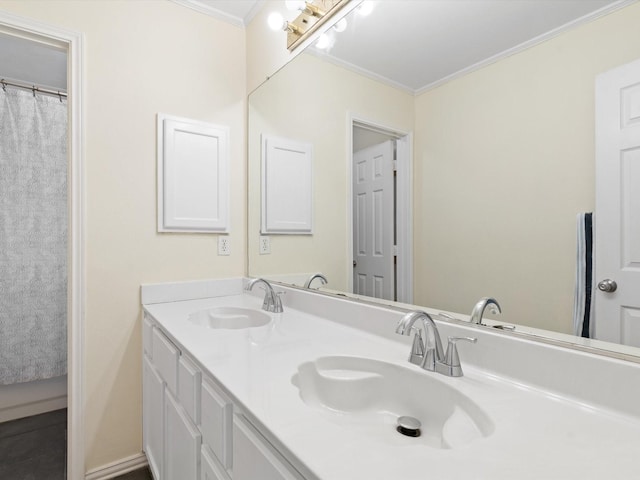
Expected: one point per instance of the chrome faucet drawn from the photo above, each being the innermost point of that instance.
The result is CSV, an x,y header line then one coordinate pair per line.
x,y
429,353
424,353
478,310
272,302
322,278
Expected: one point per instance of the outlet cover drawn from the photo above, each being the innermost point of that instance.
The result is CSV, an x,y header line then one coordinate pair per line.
x,y
224,245
265,245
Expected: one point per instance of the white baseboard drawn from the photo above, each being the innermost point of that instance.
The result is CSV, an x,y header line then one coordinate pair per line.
x,y
119,467
32,398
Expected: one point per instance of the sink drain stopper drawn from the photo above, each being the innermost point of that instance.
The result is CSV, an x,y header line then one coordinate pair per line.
x,y
409,426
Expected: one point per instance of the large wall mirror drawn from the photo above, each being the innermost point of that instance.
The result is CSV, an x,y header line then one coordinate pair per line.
x,y
494,155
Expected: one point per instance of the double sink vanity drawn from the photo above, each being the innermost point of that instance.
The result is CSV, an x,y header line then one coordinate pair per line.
x,y
324,390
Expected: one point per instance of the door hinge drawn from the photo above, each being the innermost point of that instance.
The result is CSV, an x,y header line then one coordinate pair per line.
x,y
395,250
395,165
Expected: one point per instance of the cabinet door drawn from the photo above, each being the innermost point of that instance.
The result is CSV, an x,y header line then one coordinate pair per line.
x,y
182,443
254,458
215,421
210,467
189,380
153,418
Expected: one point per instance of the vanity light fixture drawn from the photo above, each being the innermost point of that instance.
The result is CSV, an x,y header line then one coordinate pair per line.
x,y
341,25
327,39
365,8
312,14
277,22
323,42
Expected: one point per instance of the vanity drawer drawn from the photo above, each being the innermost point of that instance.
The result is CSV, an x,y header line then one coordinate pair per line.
x,y
215,422
165,359
147,332
189,379
254,457
210,467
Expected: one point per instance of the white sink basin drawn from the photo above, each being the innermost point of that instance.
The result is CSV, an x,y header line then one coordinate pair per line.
x,y
369,396
230,318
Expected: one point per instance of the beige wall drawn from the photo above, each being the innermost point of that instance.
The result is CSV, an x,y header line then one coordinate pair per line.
x,y
504,162
142,58
310,101
266,49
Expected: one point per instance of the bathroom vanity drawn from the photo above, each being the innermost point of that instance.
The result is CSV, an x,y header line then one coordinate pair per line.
x,y
232,392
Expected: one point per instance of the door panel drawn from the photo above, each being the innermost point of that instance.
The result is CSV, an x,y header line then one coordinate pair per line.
x,y
617,218
374,222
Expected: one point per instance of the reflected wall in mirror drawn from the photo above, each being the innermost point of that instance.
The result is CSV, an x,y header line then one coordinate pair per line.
x,y
503,161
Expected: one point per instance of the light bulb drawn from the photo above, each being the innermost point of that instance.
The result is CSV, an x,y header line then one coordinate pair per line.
x,y
365,8
295,5
276,21
341,25
323,41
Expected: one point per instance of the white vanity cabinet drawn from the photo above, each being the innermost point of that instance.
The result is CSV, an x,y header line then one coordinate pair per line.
x,y
254,458
171,440
191,428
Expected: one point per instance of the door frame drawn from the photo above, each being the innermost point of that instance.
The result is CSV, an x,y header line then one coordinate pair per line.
x,y
73,42
404,201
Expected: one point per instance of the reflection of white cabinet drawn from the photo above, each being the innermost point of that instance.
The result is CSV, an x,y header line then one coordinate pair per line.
x,y
191,428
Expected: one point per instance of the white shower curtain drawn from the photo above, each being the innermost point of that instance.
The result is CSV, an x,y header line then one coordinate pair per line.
x,y
33,236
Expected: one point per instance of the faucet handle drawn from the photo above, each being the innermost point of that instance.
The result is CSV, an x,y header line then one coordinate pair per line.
x,y
277,302
417,350
451,365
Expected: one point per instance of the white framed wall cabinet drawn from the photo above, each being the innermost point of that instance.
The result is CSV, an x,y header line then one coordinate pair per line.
x,y
287,186
193,175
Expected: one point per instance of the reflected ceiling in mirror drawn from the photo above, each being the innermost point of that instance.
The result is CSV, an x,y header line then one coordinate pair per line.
x,y
416,45
502,156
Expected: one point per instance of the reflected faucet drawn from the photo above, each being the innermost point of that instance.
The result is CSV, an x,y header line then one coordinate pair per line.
x,y
429,354
322,278
478,310
272,302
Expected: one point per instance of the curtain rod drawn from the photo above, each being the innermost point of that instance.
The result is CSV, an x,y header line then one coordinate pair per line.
x,y
33,88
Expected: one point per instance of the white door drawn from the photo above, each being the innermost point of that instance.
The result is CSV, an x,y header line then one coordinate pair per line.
x,y
617,216
373,219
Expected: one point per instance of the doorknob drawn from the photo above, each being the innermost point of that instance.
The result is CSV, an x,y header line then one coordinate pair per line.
x,y
355,264
607,285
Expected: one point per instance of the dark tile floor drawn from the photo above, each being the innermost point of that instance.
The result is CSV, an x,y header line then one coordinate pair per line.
x,y
35,448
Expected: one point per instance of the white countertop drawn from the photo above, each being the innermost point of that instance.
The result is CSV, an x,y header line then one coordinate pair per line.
x,y
537,435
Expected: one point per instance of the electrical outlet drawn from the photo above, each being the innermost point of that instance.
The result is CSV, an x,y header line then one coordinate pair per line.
x,y
224,245
265,245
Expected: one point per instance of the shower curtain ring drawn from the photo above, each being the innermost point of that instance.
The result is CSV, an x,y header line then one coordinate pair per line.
x,y
4,85
33,89
60,96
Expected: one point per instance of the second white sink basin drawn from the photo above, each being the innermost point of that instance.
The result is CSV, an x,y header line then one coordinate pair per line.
x,y
369,396
230,318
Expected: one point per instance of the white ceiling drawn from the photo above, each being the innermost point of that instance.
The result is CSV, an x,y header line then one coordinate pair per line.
x,y
413,44
417,44
236,12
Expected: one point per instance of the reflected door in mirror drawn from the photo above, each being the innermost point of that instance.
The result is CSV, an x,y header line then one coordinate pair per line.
x,y
373,270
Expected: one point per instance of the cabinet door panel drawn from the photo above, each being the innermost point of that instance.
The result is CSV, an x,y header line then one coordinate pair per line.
x,y
182,443
153,424
254,458
215,418
165,359
189,379
211,469
147,332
